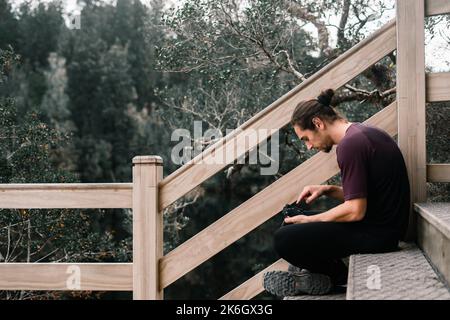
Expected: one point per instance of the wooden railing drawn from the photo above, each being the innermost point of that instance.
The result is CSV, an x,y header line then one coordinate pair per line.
x,y
149,194
66,195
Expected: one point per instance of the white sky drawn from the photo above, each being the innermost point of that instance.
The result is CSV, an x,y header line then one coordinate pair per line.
x,y
437,50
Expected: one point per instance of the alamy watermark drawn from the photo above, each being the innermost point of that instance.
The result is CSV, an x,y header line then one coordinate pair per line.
x,y
227,149
374,280
73,282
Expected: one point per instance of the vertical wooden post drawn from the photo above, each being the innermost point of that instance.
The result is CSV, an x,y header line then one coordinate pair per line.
x,y
147,228
411,96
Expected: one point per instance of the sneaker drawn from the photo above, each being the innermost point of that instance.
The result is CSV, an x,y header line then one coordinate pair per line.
x,y
296,270
283,284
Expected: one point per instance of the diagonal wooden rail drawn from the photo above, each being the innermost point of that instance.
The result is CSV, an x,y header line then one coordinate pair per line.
x,y
253,286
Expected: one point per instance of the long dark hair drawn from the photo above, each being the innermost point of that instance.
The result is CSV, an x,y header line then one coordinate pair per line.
x,y
320,108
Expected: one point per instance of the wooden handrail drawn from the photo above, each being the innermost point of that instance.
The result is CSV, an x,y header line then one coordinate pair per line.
x,y
334,75
253,286
439,172
57,276
438,86
435,7
67,196
259,208
64,186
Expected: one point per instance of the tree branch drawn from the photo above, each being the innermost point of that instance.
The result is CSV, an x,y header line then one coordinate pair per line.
x,y
302,13
343,22
354,94
292,69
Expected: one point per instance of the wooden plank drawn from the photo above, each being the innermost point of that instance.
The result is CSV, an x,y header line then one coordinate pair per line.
x,y
438,172
147,228
435,7
433,235
259,208
253,286
277,115
65,195
411,97
438,86
66,276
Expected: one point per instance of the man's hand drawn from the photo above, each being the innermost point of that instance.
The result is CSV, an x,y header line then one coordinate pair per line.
x,y
297,219
311,193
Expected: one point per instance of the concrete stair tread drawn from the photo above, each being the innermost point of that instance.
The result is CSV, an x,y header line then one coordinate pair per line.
x,y
437,214
404,275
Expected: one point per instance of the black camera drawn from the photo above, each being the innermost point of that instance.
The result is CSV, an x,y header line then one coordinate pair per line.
x,y
294,209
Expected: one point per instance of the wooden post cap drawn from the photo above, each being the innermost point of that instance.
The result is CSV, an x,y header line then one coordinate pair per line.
x,y
156,160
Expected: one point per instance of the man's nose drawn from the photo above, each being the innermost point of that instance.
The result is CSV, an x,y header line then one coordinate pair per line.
x,y
308,145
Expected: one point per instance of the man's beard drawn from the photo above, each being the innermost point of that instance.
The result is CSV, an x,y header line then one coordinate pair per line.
x,y
327,149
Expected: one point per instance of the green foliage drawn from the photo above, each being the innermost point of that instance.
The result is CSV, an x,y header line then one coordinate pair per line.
x,y
39,31
8,23
26,145
438,148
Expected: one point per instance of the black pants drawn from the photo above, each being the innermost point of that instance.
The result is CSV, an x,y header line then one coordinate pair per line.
x,y
320,246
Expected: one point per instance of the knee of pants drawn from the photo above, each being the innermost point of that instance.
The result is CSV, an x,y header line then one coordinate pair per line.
x,y
283,242
290,242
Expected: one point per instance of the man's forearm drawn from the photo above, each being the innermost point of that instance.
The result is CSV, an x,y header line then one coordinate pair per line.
x,y
335,192
341,213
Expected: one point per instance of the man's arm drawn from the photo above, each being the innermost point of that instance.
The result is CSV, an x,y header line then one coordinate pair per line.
x,y
349,211
335,192
311,193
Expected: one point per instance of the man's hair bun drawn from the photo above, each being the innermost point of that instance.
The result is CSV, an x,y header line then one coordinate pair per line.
x,y
325,97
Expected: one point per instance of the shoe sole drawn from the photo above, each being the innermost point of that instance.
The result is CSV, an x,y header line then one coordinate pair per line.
x,y
283,284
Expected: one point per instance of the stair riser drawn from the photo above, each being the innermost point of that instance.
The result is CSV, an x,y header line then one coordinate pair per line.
x,y
436,246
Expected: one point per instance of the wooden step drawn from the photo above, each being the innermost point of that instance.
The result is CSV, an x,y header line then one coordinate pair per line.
x,y
405,274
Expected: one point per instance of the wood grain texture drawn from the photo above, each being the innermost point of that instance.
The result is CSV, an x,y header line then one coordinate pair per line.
x,y
60,276
411,98
65,195
438,172
147,228
435,7
438,86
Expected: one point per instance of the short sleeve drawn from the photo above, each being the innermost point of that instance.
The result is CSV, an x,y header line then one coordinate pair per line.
x,y
353,162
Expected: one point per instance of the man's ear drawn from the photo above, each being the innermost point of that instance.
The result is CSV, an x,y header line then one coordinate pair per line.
x,y
318,123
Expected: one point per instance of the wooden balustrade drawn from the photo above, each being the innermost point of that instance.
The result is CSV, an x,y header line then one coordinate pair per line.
x,y
148,194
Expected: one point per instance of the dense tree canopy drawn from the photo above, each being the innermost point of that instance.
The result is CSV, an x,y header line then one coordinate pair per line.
x,y
76,105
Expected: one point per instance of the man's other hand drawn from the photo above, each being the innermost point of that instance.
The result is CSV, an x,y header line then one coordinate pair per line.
x,y
311,193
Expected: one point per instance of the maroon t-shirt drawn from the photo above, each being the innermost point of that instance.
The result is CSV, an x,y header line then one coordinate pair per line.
x,y
372,167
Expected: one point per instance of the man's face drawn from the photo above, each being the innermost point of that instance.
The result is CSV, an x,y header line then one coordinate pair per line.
x,y
318,139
